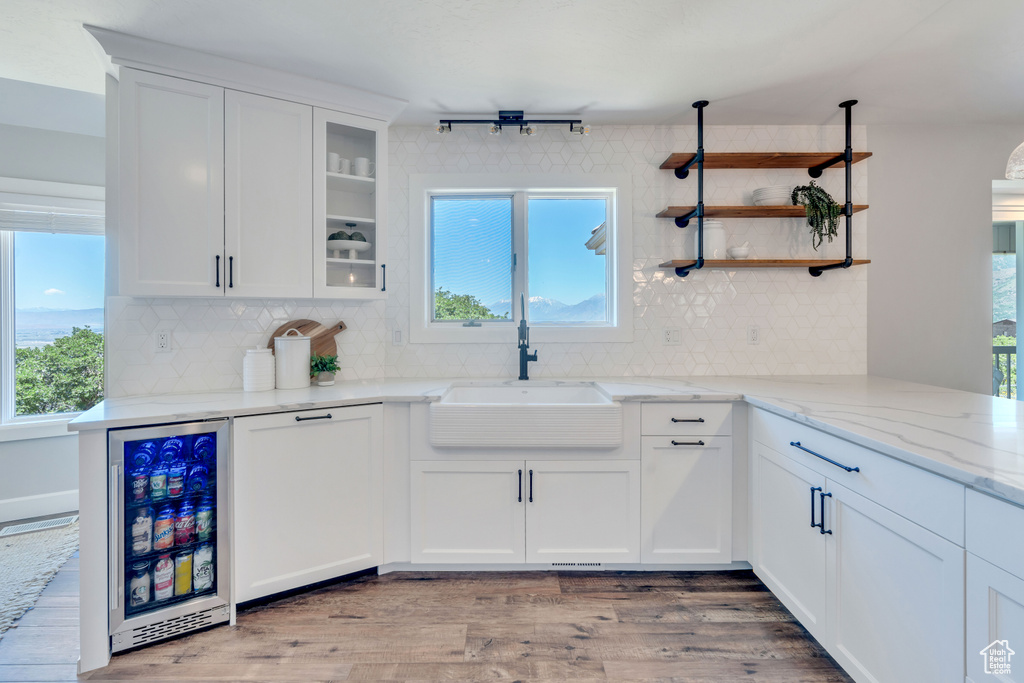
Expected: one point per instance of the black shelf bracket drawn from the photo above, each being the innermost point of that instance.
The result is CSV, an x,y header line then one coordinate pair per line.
x,y
847,158
698,211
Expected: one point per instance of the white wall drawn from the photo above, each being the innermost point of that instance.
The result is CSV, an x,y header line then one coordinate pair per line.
x,y
808,325
36,154
930,289
39,477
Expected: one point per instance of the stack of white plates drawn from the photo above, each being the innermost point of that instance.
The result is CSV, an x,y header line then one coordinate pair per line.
x,y
258,370
776,195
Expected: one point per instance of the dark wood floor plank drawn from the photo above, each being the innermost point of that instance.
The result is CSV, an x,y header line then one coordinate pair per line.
x,y
761,671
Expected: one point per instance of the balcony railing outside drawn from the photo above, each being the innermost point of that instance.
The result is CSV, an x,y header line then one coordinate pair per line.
x,y
1004,371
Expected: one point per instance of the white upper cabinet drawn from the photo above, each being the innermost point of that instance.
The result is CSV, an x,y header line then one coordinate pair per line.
x,y
349,195
171,193
268,189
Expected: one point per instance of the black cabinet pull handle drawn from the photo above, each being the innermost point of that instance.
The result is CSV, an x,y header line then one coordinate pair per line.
x,y
819,455
218,272
299,418
687,443
383,278
231,271
822,524
687,419
520,486
813,489
531,486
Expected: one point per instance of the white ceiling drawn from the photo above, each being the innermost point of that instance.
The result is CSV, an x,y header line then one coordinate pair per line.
x,y
624,61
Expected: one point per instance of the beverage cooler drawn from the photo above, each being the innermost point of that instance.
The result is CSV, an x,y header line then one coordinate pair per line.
x,y
169,546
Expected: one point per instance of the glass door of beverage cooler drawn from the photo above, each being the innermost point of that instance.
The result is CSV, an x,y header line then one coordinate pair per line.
x,y
169,549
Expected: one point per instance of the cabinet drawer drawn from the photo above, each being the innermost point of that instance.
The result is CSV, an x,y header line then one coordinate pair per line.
x,y
934,502
681,419
995,532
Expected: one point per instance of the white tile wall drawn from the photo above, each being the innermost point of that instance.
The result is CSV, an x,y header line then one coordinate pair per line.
x,y
808,325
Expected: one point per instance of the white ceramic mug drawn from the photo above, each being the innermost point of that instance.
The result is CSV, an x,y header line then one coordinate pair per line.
x,y
333,162
362,166
345,166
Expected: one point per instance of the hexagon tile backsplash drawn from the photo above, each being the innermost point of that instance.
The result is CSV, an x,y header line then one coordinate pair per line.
x,y
807,325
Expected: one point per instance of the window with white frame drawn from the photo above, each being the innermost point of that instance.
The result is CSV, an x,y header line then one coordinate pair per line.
x,y
51,300
489,249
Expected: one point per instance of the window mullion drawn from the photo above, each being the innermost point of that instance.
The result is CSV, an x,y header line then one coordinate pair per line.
x,y
520,283
7,338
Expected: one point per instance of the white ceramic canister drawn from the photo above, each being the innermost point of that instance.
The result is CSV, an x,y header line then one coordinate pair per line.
x,y
292,355
714,239
258,370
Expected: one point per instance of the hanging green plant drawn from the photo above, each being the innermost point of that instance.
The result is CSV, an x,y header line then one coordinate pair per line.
x,y
822,212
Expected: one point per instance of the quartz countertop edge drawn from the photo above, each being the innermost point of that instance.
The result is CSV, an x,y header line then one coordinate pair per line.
x,y
970,438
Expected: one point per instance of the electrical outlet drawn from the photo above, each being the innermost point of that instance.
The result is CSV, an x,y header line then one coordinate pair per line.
x,y
396,338
753,334
163,341
671,336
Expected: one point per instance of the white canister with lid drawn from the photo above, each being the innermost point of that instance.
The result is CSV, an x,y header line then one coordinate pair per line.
x,y
714,239
258,370
292,354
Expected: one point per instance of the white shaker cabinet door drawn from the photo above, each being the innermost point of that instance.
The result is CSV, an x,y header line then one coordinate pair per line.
x,y
686,508
268,189
307,498
790,555
896,595
468,511
582,511
995,613
170,221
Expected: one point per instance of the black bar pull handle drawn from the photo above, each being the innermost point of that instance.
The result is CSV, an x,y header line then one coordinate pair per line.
x,y
813,489
299,418
383,278
822,528
520,486
531,486
231,271
687,443
819,455
218,272
688,419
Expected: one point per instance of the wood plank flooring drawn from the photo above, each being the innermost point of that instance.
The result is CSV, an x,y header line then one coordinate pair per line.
x,y
539,626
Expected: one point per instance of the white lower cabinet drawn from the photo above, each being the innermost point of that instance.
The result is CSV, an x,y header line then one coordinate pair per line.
x,y
995,623
895,595
468,511
790,555
583,511
882,594
307,497
686,505
511,511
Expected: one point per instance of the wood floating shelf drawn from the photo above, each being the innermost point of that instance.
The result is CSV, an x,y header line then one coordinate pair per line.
x,y
733,264
744,211
758,160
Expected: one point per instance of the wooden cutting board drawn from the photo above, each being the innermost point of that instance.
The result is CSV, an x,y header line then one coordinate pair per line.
x,y
321,338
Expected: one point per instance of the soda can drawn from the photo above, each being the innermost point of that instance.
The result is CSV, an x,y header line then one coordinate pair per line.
x,y
183,573
158,483
163,529
176,479
140,485
202,568
204,520
185,524
163,578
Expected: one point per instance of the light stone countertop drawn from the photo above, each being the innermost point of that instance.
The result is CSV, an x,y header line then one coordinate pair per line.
x,y
970,438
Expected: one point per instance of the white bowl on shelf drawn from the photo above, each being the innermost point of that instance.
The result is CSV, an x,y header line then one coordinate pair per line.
x,y
738,252
353,247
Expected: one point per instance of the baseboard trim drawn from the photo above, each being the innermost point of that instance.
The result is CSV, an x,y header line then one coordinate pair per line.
x,y
38,506
611,567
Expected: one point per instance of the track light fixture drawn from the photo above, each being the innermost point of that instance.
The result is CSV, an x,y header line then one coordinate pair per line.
x,y
513,118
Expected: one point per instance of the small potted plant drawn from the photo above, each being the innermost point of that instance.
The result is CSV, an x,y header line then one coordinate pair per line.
x,y
822,212
323,369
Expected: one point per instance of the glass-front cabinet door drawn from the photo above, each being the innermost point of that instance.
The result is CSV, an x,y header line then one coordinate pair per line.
x,y
350,206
